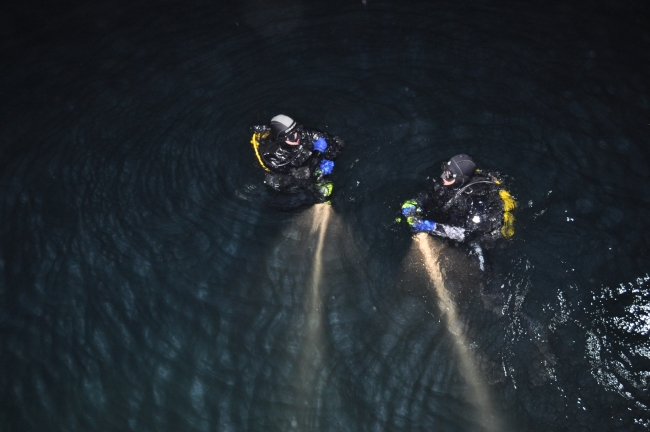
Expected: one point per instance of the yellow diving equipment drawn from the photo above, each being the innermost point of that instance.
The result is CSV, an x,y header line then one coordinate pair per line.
x,y
255,140
509,204
410,209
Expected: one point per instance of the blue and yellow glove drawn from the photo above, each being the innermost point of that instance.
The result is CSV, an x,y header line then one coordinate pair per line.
x,y
411,208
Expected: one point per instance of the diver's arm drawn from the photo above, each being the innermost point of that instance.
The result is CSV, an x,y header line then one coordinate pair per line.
x,y
412,209
325,148
437,229
333,145
274,163
448,231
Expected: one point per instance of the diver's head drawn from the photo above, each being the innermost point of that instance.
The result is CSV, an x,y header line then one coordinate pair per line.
x,y
284,129
457,170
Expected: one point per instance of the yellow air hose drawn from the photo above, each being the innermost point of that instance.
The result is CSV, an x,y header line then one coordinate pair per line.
x,y
255,140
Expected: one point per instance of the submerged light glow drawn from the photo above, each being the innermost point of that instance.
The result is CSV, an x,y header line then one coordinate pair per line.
x,y
430,251
312,372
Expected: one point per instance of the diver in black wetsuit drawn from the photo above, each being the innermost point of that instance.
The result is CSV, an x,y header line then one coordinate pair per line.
x,y
472,207
298,160
468,205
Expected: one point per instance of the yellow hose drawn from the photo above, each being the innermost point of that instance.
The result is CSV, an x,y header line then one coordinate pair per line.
x,y
255,140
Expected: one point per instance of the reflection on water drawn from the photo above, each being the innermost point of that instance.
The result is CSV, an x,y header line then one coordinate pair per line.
x,y
312,371
430,252
617,341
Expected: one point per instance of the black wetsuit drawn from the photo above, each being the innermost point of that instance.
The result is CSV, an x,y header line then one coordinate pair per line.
x,y
293,169
473,211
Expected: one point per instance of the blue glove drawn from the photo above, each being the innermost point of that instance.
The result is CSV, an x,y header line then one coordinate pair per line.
x,y
424,225
326,166
320,144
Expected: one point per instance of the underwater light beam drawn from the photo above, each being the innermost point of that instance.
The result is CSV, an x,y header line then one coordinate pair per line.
x,y
430,252
320,222
312,373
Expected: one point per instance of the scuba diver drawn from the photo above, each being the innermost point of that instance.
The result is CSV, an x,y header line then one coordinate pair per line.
x,y
472,207
297,160
465,205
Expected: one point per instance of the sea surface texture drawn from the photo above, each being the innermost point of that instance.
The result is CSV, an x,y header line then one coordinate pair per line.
x,y
150,282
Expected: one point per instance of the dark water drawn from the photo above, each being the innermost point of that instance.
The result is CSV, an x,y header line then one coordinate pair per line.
x,y
146,286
